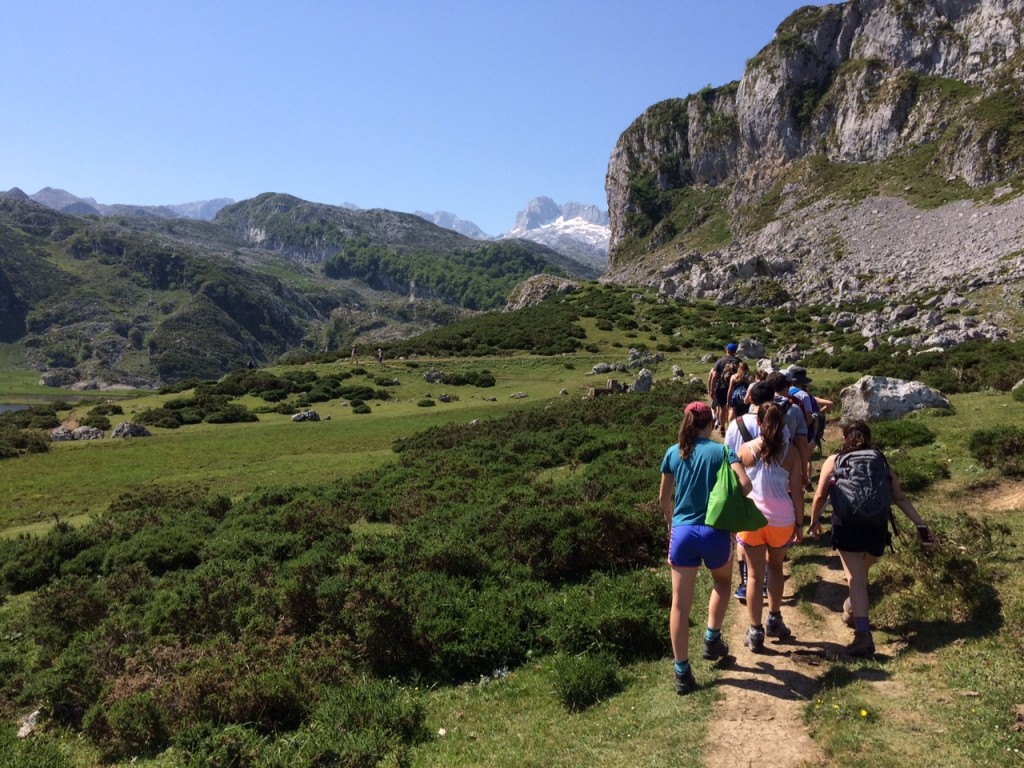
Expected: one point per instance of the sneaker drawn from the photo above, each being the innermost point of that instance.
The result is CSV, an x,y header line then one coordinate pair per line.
x,y
715,649
776,627
754,639
862,645
741,592
848,613
685,683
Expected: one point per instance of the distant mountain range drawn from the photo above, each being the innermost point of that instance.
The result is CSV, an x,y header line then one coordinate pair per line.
x,y
149,296
576,230
65,202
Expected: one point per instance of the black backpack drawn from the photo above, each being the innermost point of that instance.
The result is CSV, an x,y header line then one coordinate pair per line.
x,y
861,490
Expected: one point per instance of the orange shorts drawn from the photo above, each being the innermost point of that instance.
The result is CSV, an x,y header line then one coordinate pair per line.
x,y
775,537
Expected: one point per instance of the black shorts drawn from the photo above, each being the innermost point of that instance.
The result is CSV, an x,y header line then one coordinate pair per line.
x,y
851,538
720,397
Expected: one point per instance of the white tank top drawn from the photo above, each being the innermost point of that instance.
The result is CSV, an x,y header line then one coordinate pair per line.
x,y
771,491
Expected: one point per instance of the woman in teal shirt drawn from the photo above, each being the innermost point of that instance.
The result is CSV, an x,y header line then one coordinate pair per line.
x,y
688,474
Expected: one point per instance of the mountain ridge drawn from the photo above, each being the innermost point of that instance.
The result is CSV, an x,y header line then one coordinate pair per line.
x,y
741,193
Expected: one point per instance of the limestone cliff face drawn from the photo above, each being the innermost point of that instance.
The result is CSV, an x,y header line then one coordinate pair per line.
x,y
855,83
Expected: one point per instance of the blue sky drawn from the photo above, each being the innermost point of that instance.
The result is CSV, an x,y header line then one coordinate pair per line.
x,y
472,107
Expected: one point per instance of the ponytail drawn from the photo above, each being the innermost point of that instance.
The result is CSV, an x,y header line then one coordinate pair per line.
x,y
772,422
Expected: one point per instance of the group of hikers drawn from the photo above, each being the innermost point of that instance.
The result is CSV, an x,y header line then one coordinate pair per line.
x,y
770,425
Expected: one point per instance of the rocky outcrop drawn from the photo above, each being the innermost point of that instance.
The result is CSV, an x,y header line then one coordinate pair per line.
x,y
538,288
129,429
840,86
877,398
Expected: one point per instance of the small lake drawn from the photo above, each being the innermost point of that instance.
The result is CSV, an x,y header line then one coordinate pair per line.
x,y
4,407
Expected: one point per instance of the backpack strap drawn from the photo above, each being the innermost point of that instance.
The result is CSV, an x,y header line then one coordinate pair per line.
x,y
744,432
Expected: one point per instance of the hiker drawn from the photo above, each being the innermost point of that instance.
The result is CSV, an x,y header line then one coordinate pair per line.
x,y
776,476
742,430
813,409
688,473
353,358
718,384
862,487
737,392
795,420
380,357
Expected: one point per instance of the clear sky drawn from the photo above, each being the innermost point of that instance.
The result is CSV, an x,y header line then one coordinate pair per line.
x,y
467,106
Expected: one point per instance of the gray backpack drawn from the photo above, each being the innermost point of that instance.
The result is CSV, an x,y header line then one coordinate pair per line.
x,y
861,491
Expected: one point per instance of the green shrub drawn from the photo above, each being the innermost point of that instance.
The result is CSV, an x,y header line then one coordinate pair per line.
x,y
127,728
164,418
889,435
107,409
1018,394
917,473
585,679
623,615
232,414
426,403
1000,448
362,409
95,420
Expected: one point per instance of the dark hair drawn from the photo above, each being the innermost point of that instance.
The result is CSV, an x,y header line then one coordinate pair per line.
x,y
693,423
772,422
760,393
856,436
777,381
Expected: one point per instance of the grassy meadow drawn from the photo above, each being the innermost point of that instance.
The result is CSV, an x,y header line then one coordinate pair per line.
x,y
474,582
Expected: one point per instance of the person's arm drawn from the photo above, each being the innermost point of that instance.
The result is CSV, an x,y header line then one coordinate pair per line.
x,y
712,378
796,492
821,496
666,497
901,500
745,485
823,404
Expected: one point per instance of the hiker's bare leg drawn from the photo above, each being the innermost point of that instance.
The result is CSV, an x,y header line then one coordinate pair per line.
x,y
683,581
776,578
856,566
756,557
721,589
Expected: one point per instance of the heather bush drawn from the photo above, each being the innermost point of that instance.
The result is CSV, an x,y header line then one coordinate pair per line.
x,y
1000,448
582,680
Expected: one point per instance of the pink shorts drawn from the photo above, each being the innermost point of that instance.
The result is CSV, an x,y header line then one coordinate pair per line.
x,y
775,537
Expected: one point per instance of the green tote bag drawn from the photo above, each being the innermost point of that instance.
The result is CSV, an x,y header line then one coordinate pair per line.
x,y
728,508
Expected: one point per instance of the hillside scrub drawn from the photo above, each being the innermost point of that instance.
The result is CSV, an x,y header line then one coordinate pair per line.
x,y
294,587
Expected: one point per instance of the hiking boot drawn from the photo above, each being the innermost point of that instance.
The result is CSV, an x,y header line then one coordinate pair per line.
x,y
848,613
776,627
685,683
754,639
862,645
741,592
715,649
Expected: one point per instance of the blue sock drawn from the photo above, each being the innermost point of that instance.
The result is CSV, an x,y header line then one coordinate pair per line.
x,y
861,624
710,635
682,667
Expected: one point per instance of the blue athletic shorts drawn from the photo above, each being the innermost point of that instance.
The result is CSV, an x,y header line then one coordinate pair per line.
x,y
692,544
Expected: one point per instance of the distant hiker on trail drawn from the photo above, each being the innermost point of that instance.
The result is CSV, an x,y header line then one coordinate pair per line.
x,y
737,391
795,420
353,358
380,357
718,384
776,476
688,473
862,488
813,407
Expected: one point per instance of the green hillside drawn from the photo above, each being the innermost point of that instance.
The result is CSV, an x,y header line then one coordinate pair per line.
x,y
141,300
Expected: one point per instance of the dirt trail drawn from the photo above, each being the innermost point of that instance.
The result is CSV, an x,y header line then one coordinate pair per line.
x,y
760,719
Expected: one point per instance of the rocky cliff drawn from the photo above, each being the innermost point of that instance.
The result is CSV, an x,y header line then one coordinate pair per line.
x,y
874,148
